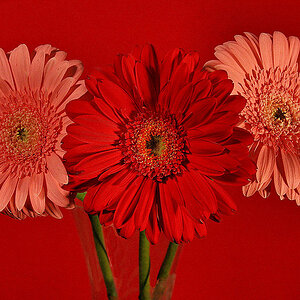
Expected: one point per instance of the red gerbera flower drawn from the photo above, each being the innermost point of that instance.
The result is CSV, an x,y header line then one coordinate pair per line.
x,y
155,144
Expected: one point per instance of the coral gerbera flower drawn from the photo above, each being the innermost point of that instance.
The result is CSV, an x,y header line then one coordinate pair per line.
x,y
33,93
265,72
155,144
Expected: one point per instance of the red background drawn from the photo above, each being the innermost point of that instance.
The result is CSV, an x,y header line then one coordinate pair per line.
x,y
253,255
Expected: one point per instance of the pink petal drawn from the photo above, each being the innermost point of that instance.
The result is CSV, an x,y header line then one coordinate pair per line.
x,y
53,210
45,48
292,194
5,88
280,50
53,74
250,188
7,190
22,192
5,72
75,69
37,66
55,193
252,41
226,57
280,186
60,55
37,193
61,90
244,57
76,94
57,168
291,168
294,49
3,176
20,64
265,164
266,50
265,189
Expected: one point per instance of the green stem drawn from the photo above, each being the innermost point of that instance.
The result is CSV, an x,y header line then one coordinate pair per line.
x,y
144,267
165,271
103,258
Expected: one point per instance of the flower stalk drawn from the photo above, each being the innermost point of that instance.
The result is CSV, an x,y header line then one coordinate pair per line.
x,y
84,230
144,267
165,271
103,258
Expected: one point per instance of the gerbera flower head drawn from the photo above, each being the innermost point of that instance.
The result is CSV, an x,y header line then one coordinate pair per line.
x,y
265,72
34,90
155,144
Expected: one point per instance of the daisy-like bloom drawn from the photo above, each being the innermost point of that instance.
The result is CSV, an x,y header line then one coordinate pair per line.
x,y
155,144
265,71
34,90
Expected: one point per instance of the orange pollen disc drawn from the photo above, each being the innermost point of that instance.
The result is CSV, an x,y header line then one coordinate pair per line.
x,y
154,145
29,131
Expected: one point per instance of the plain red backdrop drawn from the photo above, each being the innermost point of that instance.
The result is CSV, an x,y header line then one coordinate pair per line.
x,y
253,255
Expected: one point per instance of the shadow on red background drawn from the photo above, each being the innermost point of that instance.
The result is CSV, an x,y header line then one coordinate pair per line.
x,y
253,255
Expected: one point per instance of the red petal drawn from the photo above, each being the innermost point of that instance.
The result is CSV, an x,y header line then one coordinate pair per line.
x,y
93,165
169,63
143,208
205,148
77,153
188,227
181,102
128,230
145,85
106,194
201,111
217,76
202,89
128,202
90,135
116,97
153,228
222,90
128,65
238,178
225,202
215,132
170,214
92,85
200,229
233,103
149,58
97,123
80,107
198,196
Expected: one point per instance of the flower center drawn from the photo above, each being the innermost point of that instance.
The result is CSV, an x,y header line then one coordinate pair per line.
x,y
22,134
22,130
28,132
279,114
273,108
154,145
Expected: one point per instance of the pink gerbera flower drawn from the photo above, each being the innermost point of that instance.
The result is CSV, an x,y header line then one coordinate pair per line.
x,y
265,71
34,90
